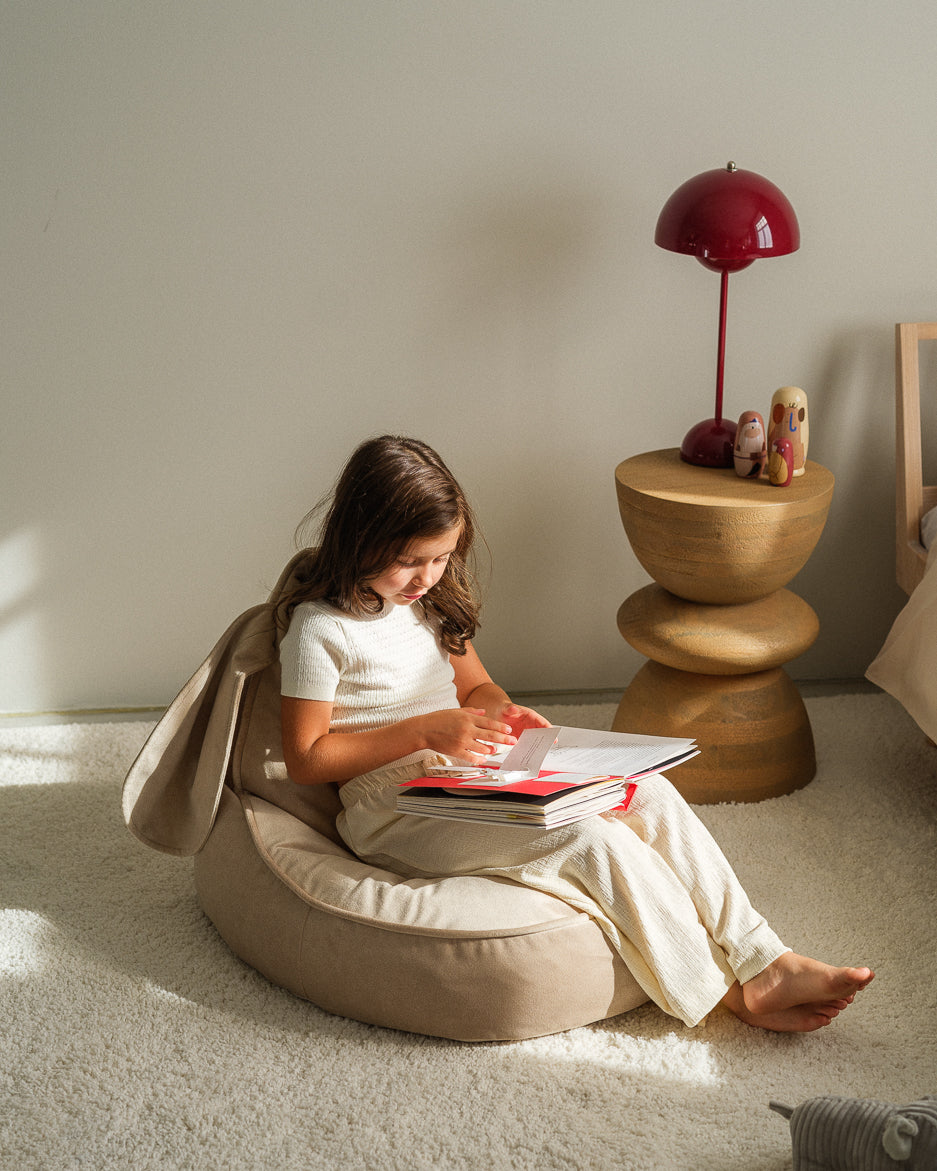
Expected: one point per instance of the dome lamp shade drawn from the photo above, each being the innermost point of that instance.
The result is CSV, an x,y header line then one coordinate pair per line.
x,y
726,218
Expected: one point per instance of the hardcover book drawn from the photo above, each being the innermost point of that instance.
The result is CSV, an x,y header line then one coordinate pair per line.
x,y
551,777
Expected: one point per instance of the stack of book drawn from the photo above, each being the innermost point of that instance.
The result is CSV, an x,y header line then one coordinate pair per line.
x,y
551,777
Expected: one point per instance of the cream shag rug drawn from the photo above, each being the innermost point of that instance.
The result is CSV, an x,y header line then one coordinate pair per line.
x,y
131,1037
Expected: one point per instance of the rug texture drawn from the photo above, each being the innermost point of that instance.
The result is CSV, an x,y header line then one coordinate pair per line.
x,y
132,1037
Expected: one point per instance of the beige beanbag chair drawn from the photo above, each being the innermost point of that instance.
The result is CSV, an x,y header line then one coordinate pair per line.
x,y
472,958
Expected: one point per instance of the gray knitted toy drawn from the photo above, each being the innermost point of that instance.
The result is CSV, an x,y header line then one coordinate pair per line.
x,y
856,1134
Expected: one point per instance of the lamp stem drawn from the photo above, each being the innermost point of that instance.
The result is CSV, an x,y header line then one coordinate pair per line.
x,y
721,360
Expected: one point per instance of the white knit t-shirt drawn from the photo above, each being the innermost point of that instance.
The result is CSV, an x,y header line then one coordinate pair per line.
x,y
375,669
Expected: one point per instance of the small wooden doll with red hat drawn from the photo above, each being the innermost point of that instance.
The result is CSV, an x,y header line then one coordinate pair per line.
x,y
750,453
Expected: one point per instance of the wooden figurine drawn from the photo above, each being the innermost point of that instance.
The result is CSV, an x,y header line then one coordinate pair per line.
x,y
789,421
750,454
781,463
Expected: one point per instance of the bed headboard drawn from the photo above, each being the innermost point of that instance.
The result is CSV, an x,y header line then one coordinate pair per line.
x,y
913,496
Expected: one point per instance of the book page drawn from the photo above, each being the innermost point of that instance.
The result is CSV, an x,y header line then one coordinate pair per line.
x,y
573,750
528,753
583,749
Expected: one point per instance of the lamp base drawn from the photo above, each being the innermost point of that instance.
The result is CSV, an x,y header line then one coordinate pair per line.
x,y
709,444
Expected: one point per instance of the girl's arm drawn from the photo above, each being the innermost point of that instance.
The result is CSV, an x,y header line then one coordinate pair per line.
x,y
475,689
315,756
486,717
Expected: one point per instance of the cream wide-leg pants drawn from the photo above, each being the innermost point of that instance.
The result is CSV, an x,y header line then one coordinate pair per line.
x,y
653,878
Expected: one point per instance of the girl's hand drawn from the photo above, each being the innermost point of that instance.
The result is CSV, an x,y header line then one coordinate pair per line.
x,y
466,733
520,718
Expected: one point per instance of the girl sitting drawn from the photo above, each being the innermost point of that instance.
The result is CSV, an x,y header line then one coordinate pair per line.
x,y
380,680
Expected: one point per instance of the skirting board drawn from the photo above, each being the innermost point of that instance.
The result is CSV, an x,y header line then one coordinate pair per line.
x,y
110,715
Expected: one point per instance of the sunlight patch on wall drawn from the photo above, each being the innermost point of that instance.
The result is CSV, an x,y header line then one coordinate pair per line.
x,y
21,632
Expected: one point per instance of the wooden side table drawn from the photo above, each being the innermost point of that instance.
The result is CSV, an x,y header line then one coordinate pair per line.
x,y
718,624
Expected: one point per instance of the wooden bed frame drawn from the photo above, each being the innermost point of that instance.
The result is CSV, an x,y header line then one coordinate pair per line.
x,y
913,496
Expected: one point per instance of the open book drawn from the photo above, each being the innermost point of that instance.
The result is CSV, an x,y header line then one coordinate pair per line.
x,y
552,776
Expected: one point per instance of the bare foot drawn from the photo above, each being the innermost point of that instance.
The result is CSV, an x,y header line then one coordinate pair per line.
x,y
801,1018
796,994
794,981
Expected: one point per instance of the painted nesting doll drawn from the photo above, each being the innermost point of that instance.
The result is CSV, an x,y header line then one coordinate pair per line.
x,y
789,421
750,454
781,463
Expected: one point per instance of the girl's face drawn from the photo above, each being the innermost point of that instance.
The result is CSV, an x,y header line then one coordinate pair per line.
x,y
417,569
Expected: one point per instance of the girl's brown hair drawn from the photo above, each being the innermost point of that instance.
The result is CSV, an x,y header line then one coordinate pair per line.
x,y
392,491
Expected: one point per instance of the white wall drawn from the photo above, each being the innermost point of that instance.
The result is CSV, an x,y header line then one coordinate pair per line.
x,y
238,237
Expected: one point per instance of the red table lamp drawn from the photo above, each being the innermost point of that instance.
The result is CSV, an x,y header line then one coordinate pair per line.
x,y
726,219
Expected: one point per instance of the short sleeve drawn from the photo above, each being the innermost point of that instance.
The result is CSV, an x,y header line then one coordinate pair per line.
x,y
312,653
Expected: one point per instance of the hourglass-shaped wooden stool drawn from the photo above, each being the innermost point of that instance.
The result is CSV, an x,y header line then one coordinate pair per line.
x,y
719,624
